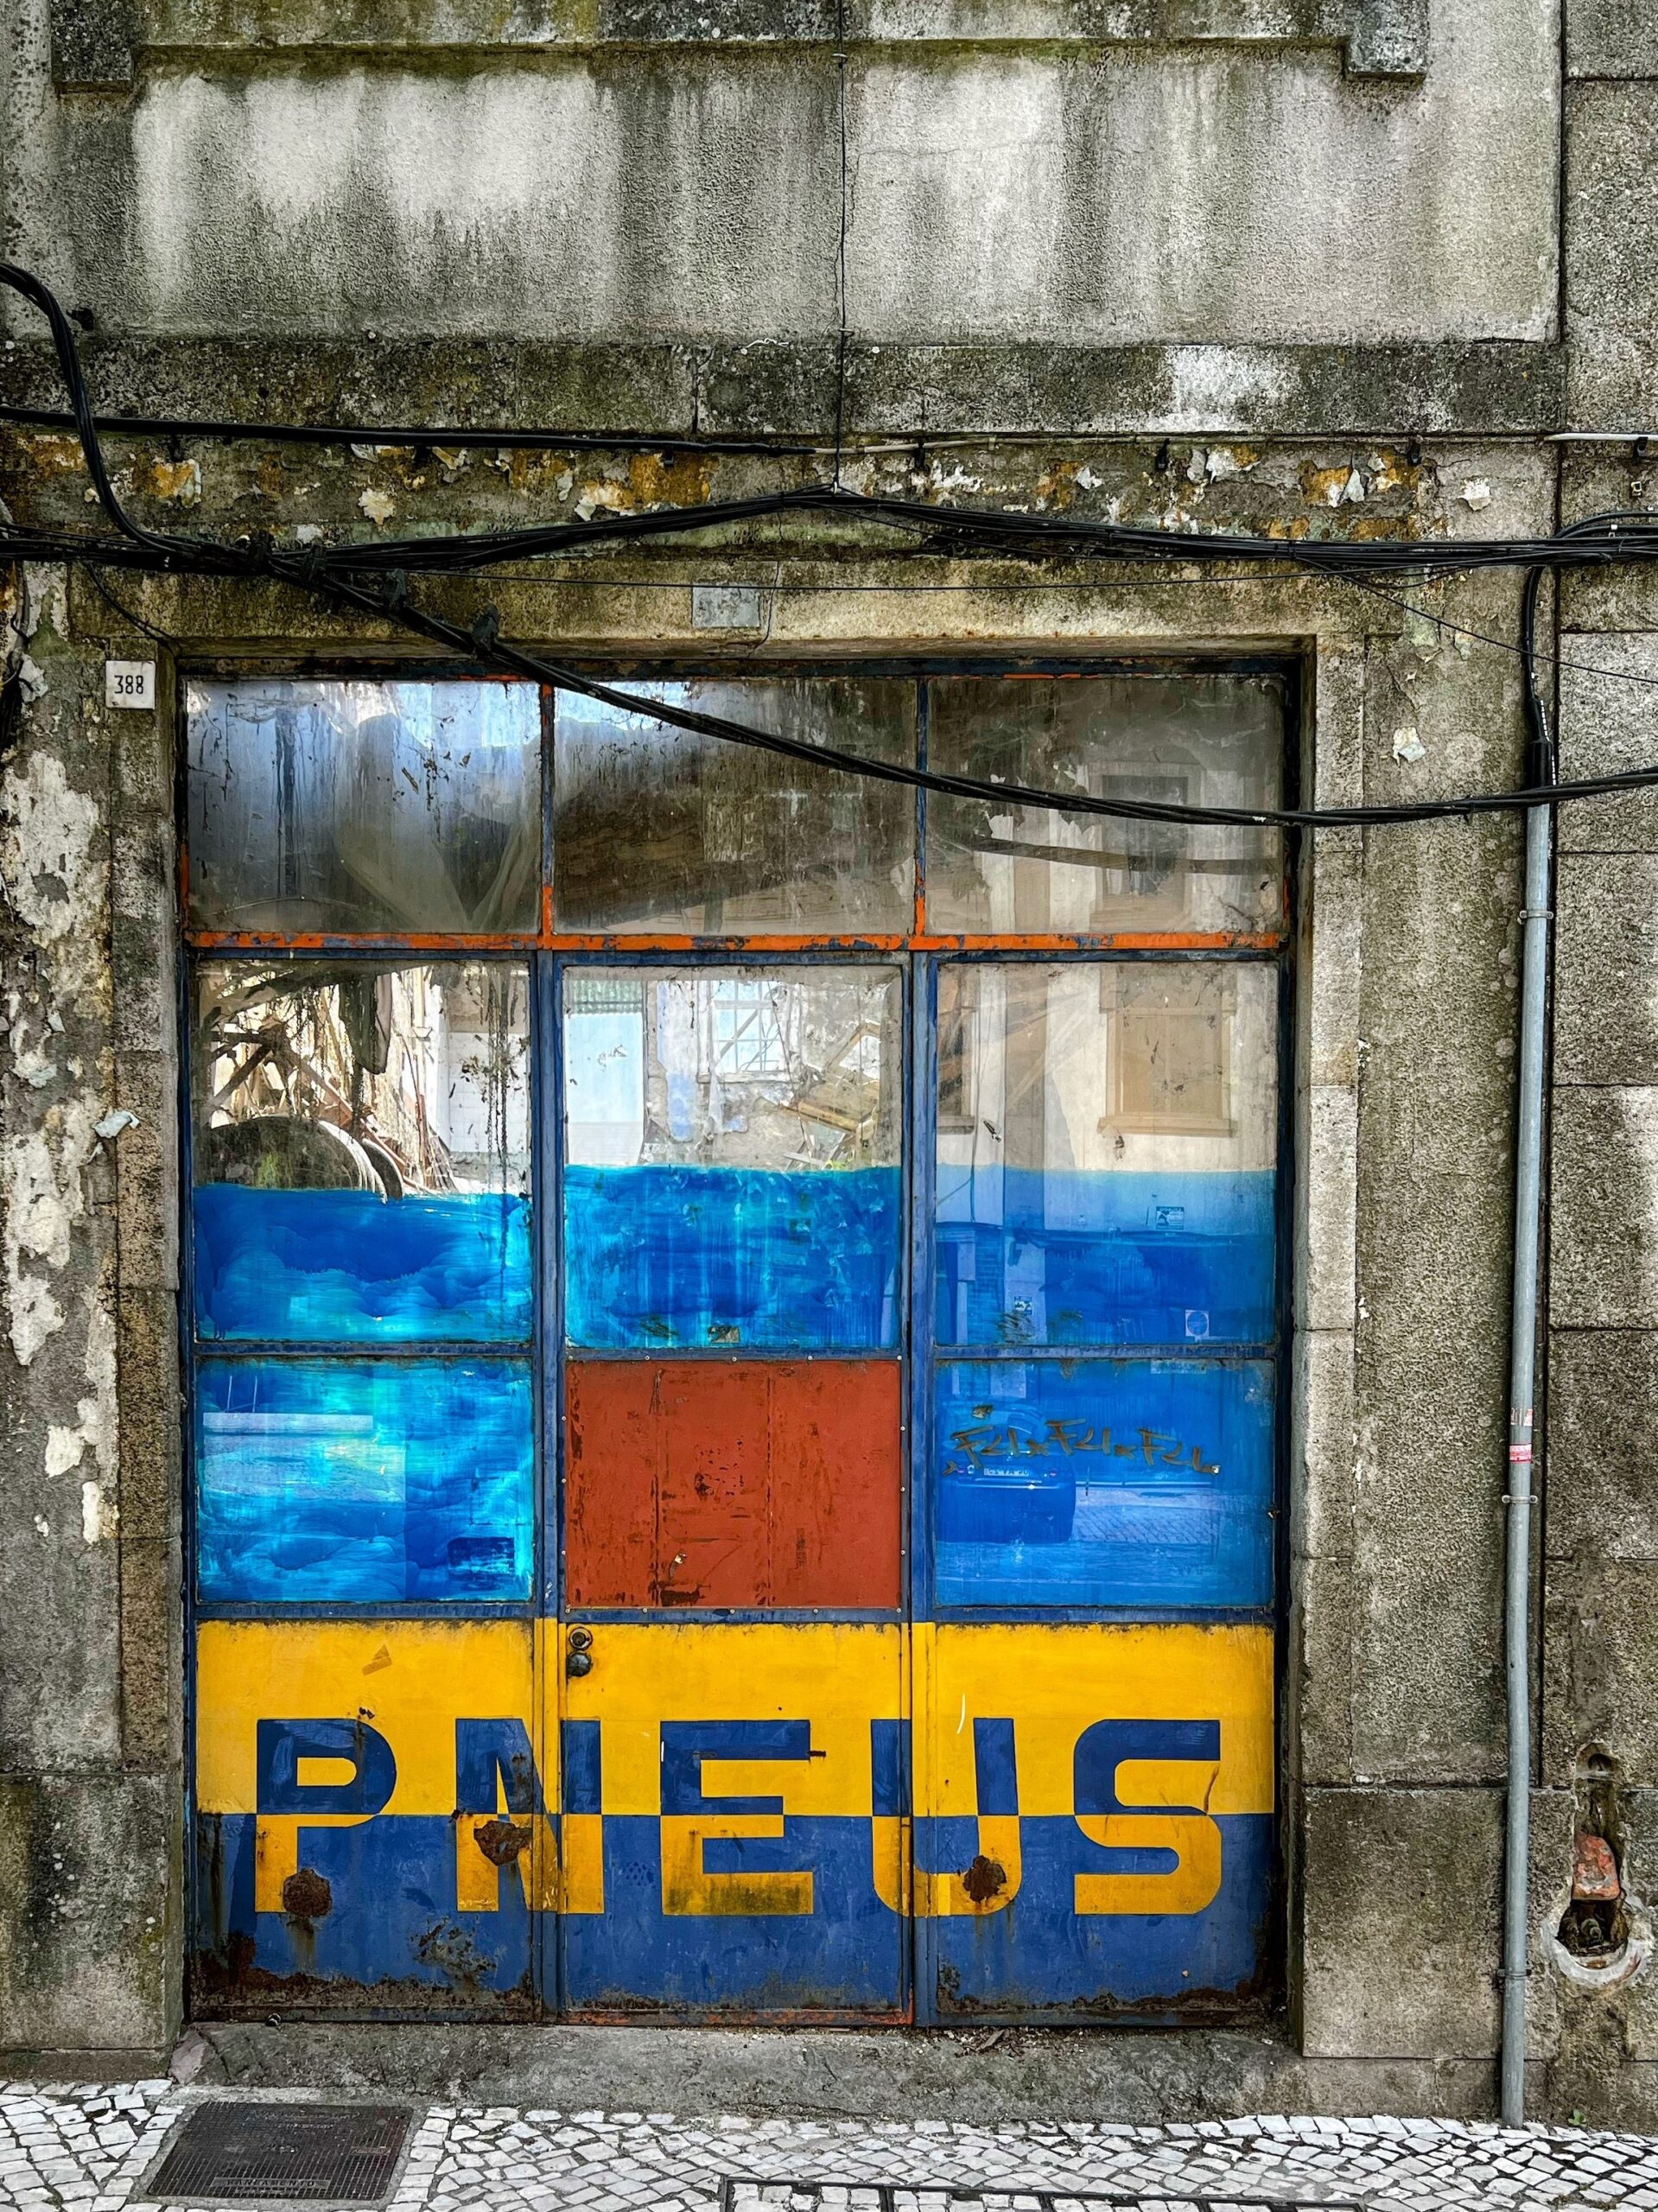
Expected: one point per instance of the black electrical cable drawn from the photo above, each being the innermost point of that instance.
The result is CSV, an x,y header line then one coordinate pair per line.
x,y
332,575
987,531
493,653
426,437
1540,767
63,338
499,654
969,529
90,550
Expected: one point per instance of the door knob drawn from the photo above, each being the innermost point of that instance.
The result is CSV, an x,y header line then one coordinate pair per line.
x,y
578,1660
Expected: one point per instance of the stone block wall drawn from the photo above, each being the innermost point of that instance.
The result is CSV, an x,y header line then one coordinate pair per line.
x,y
1200,266
91,1680
1598,1655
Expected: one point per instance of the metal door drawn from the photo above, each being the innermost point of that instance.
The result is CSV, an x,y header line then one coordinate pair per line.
x,y
732,1310
733,1477
1094,1678
371,1829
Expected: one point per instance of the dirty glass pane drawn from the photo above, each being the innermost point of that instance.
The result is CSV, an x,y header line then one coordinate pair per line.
x,y
364,1481
359,807
732,1144
1208,741
1106,1139
1104,1483
656,829
361,1151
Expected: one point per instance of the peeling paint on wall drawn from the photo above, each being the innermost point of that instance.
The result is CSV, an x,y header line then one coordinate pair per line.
x,y
93,1432
41,1177
51,876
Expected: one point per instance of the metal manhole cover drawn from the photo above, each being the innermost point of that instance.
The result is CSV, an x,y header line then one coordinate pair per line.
x,y
739,2193
299,2154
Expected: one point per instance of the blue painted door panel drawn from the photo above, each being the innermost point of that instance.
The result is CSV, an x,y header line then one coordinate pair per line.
x,y
648,1953
1105,1258
664,1256
337,1267
1101,1482
365,1482
743,1872
1042,1959
388,1935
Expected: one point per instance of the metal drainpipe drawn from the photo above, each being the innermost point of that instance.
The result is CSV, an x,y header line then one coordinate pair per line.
x,y
1534,1010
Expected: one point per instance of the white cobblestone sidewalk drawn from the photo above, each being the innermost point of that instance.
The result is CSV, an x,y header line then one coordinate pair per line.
x,y
91,2148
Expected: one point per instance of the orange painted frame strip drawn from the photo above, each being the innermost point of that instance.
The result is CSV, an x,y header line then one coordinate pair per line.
x,y
549,940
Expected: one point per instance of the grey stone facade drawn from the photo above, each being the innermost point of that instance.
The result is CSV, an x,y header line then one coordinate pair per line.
x,y
1315,267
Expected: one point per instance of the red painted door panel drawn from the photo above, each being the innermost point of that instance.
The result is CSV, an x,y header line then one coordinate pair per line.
x,y
741,1483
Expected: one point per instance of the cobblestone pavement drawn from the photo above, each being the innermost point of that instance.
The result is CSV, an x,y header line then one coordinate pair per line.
x,y
92,2148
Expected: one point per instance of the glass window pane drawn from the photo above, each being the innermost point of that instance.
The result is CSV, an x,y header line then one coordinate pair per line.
x,y
1208,741
364,1481
1107,1133
733,1148
1104,1483
361,1151
658,830
358,807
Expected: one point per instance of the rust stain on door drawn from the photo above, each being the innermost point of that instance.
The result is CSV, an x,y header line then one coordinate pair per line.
x,y
696,1483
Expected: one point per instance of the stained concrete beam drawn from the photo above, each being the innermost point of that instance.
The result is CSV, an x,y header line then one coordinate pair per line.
x,y
1394,392
1032,194
1378,38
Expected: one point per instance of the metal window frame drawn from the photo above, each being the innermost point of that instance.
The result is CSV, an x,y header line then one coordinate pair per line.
x,y
929,1352
200,1350
549,936
549,953
729,1355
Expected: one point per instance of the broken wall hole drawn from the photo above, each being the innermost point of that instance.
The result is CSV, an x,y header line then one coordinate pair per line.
x,y
1594,1929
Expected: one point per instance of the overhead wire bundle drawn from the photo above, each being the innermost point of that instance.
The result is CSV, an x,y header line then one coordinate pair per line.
x,y
374,577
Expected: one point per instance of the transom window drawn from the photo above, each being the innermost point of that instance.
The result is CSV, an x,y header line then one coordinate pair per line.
x,y
381,810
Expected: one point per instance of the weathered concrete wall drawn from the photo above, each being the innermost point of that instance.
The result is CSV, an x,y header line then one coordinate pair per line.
x,y
1290,239
91,1684
1395,1747
1599,1675
677,182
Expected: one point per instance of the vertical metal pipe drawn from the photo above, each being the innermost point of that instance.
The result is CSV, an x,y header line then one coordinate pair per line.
x,y
1528,1167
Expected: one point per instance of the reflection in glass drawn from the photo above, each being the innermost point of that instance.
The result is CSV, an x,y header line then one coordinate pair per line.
x,y
1106,1138
1104,1483
731,1144
656,829
361,1151
1191,739
362,807
364,1481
